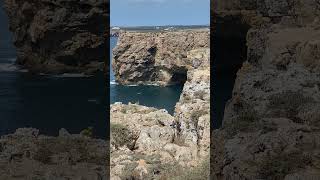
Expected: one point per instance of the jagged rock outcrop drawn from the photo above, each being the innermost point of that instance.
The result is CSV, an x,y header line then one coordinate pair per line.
x,y
59,36
148,143
28,155
161,58
271,125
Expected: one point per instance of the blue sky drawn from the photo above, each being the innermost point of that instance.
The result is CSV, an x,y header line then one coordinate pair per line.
x,y
159,12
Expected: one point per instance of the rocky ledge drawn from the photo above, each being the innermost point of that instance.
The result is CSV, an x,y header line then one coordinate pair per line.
x,y
28,155
59,36
161,58
271,125
149,143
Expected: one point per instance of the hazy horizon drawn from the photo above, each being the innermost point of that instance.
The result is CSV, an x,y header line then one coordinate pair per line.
x,y
161,25
135,13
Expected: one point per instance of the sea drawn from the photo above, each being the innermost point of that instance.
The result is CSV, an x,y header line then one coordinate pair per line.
x,y
147,95
47,102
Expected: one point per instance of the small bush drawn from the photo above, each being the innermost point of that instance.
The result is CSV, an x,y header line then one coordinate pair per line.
x,y
121,135
127,173
87,132
176,172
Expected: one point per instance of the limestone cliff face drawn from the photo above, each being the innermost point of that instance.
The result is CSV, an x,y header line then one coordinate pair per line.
x,y
271,124
148,143
59,36
146,140
161,58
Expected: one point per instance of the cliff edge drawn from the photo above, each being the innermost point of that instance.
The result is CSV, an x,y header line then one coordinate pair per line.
x,y
59,36
271,124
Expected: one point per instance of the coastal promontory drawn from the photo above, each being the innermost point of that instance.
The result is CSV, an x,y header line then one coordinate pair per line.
x,y
150,143
161,58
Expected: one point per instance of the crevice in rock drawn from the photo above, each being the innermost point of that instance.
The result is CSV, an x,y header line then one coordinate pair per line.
x,y
230,51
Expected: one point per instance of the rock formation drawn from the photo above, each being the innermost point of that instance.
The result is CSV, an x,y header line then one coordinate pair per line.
x,y
271,125
148,143
161,58
28,155
59,36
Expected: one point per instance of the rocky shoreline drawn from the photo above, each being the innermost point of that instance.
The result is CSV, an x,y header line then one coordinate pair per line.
x,y
271,125
149,143
56,37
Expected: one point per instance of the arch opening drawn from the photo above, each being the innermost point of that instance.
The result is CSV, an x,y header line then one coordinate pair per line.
x,y
179,77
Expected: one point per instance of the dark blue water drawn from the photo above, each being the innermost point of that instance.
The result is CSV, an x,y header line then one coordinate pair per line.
x,y
153,96
47,102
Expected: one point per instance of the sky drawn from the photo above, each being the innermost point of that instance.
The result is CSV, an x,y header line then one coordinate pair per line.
x,y
159,12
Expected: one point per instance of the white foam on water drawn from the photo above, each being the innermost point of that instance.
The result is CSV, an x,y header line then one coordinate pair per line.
x,y
113,82
132,85
8,67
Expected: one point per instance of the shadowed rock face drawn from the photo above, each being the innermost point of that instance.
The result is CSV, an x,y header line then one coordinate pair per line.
x,y
159,58
271,123
59,36
28,155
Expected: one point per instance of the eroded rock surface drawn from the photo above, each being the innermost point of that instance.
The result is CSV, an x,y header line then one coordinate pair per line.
x,y
59,36
271,125
148,143
161,58
28,155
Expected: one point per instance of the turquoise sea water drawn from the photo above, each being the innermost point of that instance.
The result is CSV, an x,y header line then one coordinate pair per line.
x,y
153,96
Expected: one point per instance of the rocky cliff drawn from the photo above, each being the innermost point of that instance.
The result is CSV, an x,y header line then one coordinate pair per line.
x,y
28,155
161,58
59,36
271,125
148,143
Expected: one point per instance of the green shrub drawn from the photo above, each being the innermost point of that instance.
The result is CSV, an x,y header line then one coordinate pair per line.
x,y
121,135
127,173
158,170
174,171
201,172
87,132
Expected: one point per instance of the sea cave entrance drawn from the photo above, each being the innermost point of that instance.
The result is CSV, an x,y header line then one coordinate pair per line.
x,y
179,77
229,53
